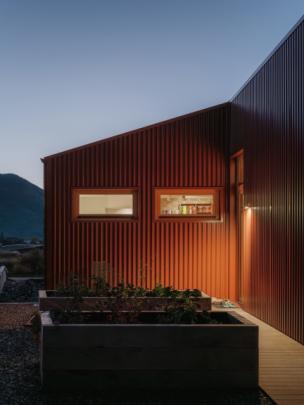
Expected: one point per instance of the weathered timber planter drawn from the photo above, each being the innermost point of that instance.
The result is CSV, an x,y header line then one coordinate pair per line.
x,y
149,356
48,302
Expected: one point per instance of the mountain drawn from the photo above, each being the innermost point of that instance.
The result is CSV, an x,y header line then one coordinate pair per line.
x,y
21,207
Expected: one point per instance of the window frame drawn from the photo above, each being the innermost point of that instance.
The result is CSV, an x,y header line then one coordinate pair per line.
x,y
76,192
217,193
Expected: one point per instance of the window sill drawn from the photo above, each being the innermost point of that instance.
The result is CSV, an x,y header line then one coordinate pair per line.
x,y
105,218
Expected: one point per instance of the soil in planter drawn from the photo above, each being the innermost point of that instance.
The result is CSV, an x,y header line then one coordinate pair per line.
x,y
150,317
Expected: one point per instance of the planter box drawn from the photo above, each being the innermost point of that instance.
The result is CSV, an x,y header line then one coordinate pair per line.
x,y
149,356
48,302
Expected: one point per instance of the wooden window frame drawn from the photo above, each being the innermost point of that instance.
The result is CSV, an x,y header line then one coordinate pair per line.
x,y
217,193
76,192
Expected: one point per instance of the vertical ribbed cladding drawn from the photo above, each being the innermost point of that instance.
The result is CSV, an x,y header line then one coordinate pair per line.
x,y
190,151
267,121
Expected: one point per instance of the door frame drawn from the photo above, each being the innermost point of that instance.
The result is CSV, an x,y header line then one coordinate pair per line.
x,y
236,230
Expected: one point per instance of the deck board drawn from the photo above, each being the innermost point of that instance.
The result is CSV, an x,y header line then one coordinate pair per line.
x,y
281,364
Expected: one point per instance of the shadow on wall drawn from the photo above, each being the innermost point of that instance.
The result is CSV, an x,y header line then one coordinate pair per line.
x,y
274,177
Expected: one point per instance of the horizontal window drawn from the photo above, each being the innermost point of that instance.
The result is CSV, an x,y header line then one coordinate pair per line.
x,y
187,203
104,203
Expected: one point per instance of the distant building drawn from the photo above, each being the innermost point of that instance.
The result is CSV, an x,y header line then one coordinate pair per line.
x,y
21,247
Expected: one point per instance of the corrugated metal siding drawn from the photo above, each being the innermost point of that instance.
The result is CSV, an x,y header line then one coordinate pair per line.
x,y
267,121
190,151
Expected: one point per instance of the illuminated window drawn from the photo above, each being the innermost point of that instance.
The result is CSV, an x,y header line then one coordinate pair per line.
x,y
104,203
188,203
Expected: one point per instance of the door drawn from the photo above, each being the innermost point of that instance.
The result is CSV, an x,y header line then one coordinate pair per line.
x,y
237,223
240,241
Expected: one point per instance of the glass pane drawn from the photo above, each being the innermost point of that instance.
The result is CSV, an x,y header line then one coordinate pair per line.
x,y
178,204
106,204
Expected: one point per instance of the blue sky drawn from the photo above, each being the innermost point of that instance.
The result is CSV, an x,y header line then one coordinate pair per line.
x,y
72,72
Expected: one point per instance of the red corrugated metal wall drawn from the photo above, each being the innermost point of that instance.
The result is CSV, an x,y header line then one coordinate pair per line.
x,y
268,122
190,151
193,151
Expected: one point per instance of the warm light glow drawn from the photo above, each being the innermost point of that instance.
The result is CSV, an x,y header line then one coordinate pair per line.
x,y
178,204
105,204
195,204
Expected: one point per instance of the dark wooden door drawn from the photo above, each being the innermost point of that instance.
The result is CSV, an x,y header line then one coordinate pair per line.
x,y
237,232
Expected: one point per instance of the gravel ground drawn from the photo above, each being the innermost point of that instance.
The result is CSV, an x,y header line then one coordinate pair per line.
x,y
15,315
21,290
20,382
19,364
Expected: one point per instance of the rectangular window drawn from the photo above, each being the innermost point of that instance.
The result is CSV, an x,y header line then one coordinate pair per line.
x,y
103,203
187,203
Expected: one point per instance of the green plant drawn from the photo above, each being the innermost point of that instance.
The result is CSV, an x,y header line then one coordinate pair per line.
x,y
169,292
184,311
72,307
160,291
20,269
119,308
191,293
137,291
100,287
33,260
120,290
101,272
127,290
73,288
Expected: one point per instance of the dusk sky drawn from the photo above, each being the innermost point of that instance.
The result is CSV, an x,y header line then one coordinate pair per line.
x,y
72,72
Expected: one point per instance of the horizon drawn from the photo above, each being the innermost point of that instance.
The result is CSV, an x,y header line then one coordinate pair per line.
x,y
23,178
96,70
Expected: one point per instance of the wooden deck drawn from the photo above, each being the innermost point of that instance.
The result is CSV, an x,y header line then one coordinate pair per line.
x,y
281,364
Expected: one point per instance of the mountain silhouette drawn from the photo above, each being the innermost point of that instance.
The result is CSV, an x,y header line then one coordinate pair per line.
x,y
21,207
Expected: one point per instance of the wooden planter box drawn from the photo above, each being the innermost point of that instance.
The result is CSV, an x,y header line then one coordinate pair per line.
x,y
47,303
149,356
